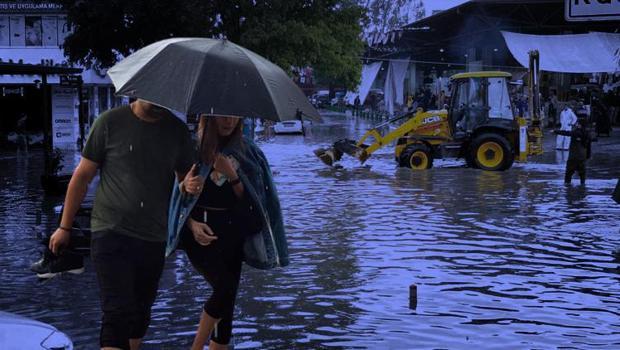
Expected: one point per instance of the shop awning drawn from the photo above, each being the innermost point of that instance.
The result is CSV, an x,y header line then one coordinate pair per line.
x,y
573,53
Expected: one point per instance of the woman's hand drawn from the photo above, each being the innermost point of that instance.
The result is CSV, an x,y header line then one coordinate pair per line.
x,y
223,165
193,183
202,232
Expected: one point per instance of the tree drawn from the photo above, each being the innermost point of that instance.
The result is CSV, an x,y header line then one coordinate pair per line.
x,y
324,34
387,15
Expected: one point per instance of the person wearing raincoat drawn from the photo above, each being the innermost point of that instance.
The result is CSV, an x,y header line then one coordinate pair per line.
x,y
231,215
567,120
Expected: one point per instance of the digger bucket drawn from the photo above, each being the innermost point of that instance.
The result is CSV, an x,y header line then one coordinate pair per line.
x,y
327,155
334,153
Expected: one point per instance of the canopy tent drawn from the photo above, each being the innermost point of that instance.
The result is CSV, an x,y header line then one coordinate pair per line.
x,y
369,73
573,53
394,83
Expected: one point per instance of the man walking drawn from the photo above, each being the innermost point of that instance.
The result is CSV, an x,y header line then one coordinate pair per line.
x,y
580,149
567,120
137,149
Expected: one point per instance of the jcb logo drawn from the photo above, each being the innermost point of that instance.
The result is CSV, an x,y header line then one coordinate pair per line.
x,y
432,119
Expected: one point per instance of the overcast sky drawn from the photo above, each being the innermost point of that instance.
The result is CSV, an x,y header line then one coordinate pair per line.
x,y
431,5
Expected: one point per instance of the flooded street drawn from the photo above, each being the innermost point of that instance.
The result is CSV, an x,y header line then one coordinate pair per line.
x,y
512,259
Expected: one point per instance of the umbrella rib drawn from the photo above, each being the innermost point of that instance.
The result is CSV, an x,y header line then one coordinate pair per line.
x,y
262,80
143,66
190,98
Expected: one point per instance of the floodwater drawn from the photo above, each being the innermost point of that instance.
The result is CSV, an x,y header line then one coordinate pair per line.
x,y
500,259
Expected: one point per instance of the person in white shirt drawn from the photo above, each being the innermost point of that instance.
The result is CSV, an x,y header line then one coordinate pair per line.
x,y
567,120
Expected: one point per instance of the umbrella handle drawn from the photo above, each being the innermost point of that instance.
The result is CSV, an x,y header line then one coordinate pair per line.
x,y
197,168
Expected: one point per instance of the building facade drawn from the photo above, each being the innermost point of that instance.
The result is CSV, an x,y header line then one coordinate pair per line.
x,y
32,34
469,38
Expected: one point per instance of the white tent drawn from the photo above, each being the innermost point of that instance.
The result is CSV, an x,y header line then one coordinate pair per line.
x,y
573,53
394,83
369,73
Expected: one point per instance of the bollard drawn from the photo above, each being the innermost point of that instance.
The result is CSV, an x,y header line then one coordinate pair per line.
x,y
413,297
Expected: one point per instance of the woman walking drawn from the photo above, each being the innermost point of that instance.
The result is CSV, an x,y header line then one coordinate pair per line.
x,y
233,215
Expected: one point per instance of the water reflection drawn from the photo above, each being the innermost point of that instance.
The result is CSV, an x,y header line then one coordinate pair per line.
x,y
512,258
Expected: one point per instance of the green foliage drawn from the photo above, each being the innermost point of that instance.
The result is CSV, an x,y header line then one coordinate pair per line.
x,y
387,15
323,34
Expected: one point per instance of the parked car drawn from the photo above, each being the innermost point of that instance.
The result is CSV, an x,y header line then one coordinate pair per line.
x,y
18,332
320,98
289,127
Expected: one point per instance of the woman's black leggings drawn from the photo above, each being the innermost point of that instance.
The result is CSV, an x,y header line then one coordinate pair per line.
x,y
220,264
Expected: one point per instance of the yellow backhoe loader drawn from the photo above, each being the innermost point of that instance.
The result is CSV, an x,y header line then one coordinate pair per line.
x,y
479,126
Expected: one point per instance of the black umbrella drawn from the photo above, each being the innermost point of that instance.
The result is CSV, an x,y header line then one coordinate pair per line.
x,y
217,77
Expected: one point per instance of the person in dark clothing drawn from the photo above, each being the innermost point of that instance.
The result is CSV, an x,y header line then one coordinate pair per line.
x,y
137,149
579,151
601,115
222,218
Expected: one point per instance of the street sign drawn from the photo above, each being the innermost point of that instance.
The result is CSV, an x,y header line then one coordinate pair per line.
x,y
591,10
70,80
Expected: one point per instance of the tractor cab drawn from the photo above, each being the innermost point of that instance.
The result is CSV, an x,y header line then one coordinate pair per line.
x,y
479,99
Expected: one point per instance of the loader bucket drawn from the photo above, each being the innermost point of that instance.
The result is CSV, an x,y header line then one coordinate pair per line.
x,y
334,153
326,155
348,147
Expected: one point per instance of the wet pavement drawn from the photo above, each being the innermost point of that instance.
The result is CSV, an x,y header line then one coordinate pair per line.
x,y
512,259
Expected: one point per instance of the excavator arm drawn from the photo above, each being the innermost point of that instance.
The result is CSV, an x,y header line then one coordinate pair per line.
x,y
360,149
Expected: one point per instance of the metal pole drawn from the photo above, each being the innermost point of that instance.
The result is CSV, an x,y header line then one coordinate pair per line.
x,y
47,124
81,115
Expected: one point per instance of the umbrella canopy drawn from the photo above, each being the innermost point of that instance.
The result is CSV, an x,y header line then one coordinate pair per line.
x,y
200,75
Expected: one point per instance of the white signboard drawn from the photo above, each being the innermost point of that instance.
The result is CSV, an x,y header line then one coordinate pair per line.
x,y
64,117
63,29
592,10
50,30
18,33
5,33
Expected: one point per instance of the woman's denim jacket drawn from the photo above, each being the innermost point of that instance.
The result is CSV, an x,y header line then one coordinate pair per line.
x,y
264,250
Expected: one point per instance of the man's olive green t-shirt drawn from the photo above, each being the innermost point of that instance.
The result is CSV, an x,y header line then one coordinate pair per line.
x,y
137,161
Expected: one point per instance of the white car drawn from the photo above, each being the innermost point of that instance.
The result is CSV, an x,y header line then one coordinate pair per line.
x,y
18,332
289,127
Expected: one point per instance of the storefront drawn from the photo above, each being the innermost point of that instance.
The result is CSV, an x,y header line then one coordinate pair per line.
x,y
31,38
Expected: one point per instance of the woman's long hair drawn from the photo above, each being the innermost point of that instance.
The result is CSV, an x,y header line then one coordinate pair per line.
x,y
211,142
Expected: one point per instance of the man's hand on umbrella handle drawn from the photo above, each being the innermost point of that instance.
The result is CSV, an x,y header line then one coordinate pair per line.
x,y
193,183
59,239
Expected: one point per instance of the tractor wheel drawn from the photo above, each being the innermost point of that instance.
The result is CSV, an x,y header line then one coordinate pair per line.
x,y
491,152
417,157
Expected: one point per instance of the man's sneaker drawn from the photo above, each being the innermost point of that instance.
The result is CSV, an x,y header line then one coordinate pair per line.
x,y
50,265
